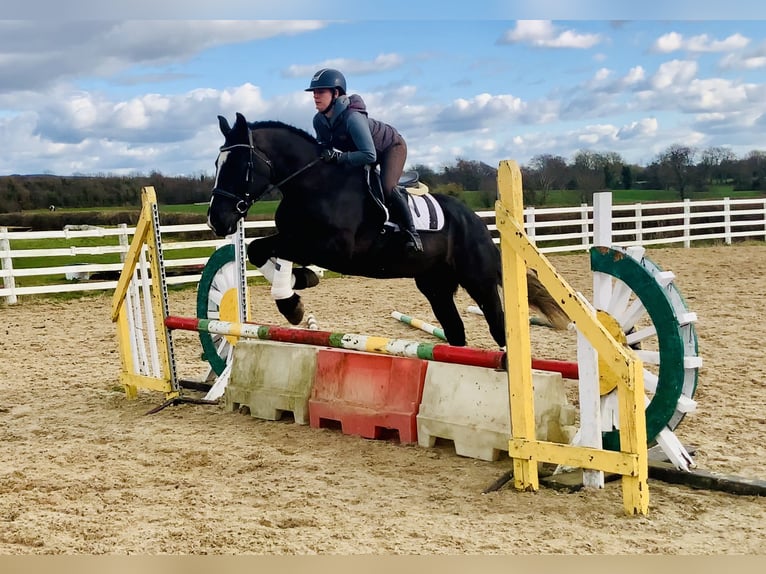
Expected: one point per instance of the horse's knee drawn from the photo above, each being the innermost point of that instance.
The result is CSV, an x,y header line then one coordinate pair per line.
x,y
256,254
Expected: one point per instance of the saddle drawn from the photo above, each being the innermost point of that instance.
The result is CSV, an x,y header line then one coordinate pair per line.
x,y
409,180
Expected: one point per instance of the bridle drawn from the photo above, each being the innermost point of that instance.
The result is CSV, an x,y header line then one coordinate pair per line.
x,y
243,204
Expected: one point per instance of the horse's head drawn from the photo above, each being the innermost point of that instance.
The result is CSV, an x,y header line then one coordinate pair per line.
x,y
243,174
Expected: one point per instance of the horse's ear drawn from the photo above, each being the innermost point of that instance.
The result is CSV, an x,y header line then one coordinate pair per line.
x,y
223,123
241,121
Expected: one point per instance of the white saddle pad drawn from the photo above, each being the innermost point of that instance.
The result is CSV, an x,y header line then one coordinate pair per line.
x,y
427,214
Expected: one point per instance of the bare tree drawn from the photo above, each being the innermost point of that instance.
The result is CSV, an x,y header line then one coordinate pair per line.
x,y
755,163
547,172
713,164
677,167
588,174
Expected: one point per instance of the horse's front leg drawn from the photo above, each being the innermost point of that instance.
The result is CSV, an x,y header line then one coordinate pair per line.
x,y
262,252
279,272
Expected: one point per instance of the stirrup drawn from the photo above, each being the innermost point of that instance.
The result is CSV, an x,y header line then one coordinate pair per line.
x,y
413,243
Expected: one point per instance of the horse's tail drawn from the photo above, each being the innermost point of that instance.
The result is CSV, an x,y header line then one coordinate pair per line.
x,y
540,298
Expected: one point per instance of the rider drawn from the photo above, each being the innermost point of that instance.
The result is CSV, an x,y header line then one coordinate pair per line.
x,y
341,123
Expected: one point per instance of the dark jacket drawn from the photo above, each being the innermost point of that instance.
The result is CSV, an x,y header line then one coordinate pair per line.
x,y
350,130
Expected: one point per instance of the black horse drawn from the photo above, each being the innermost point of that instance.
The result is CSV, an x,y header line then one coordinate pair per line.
x,y
329,217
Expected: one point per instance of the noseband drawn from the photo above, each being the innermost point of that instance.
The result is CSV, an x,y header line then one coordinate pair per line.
x,y
244,203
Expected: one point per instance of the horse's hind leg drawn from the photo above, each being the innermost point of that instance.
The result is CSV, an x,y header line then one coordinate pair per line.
x,y
439,288
486,293
480,276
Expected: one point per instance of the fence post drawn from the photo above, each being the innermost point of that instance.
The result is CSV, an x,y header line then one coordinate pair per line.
x,y
639,227
687,222
585,227
764,219
531,224
587,357
727,220
123,241
7,265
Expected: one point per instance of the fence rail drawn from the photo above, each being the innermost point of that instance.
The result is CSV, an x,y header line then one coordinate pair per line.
x,y
553,230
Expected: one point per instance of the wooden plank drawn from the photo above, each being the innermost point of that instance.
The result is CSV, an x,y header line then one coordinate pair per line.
x,y
707,480
664,471
146,382
143,228
623,463
520,390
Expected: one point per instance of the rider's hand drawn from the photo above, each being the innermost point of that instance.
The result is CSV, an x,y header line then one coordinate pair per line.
x,y
330,156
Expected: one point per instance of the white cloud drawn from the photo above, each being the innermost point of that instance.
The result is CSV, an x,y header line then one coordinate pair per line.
x,y
598,135
32,58
482,110
602,74
715,94
742,62
669,42
348,66
542,33
703,43
645,127
485,145
675,73
720,124
673,42
635,75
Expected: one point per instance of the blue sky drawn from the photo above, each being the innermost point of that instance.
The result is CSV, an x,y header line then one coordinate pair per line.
x,y
126,93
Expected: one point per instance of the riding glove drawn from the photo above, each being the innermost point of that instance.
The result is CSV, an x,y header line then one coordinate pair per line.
x,y
330,155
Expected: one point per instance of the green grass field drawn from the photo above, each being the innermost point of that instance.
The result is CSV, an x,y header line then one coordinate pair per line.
x,y
478,200
562,198
59,261
258,208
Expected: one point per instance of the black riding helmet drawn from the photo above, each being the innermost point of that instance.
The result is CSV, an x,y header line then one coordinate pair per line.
x,y
328,78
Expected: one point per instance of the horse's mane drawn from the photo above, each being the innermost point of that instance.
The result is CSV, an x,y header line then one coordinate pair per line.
x,y
281,125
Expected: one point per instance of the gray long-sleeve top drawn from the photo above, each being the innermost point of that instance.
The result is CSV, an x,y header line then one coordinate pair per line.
x,y
350,130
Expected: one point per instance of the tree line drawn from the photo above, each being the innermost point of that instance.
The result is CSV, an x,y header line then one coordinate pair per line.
x,y
681,168
32,192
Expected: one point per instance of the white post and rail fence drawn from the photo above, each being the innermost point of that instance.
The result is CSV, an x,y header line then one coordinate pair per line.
x,y
77,264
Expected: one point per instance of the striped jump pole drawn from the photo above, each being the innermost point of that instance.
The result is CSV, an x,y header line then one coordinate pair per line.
x,y
418,324
439,352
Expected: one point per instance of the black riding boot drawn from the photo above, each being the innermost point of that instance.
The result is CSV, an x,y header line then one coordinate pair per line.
x,y
403,218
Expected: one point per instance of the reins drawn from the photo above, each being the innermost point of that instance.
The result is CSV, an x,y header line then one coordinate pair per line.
x,y
244,204
312,163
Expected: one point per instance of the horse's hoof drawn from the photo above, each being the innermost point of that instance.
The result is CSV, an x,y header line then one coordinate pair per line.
x,y
291,308
304,278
